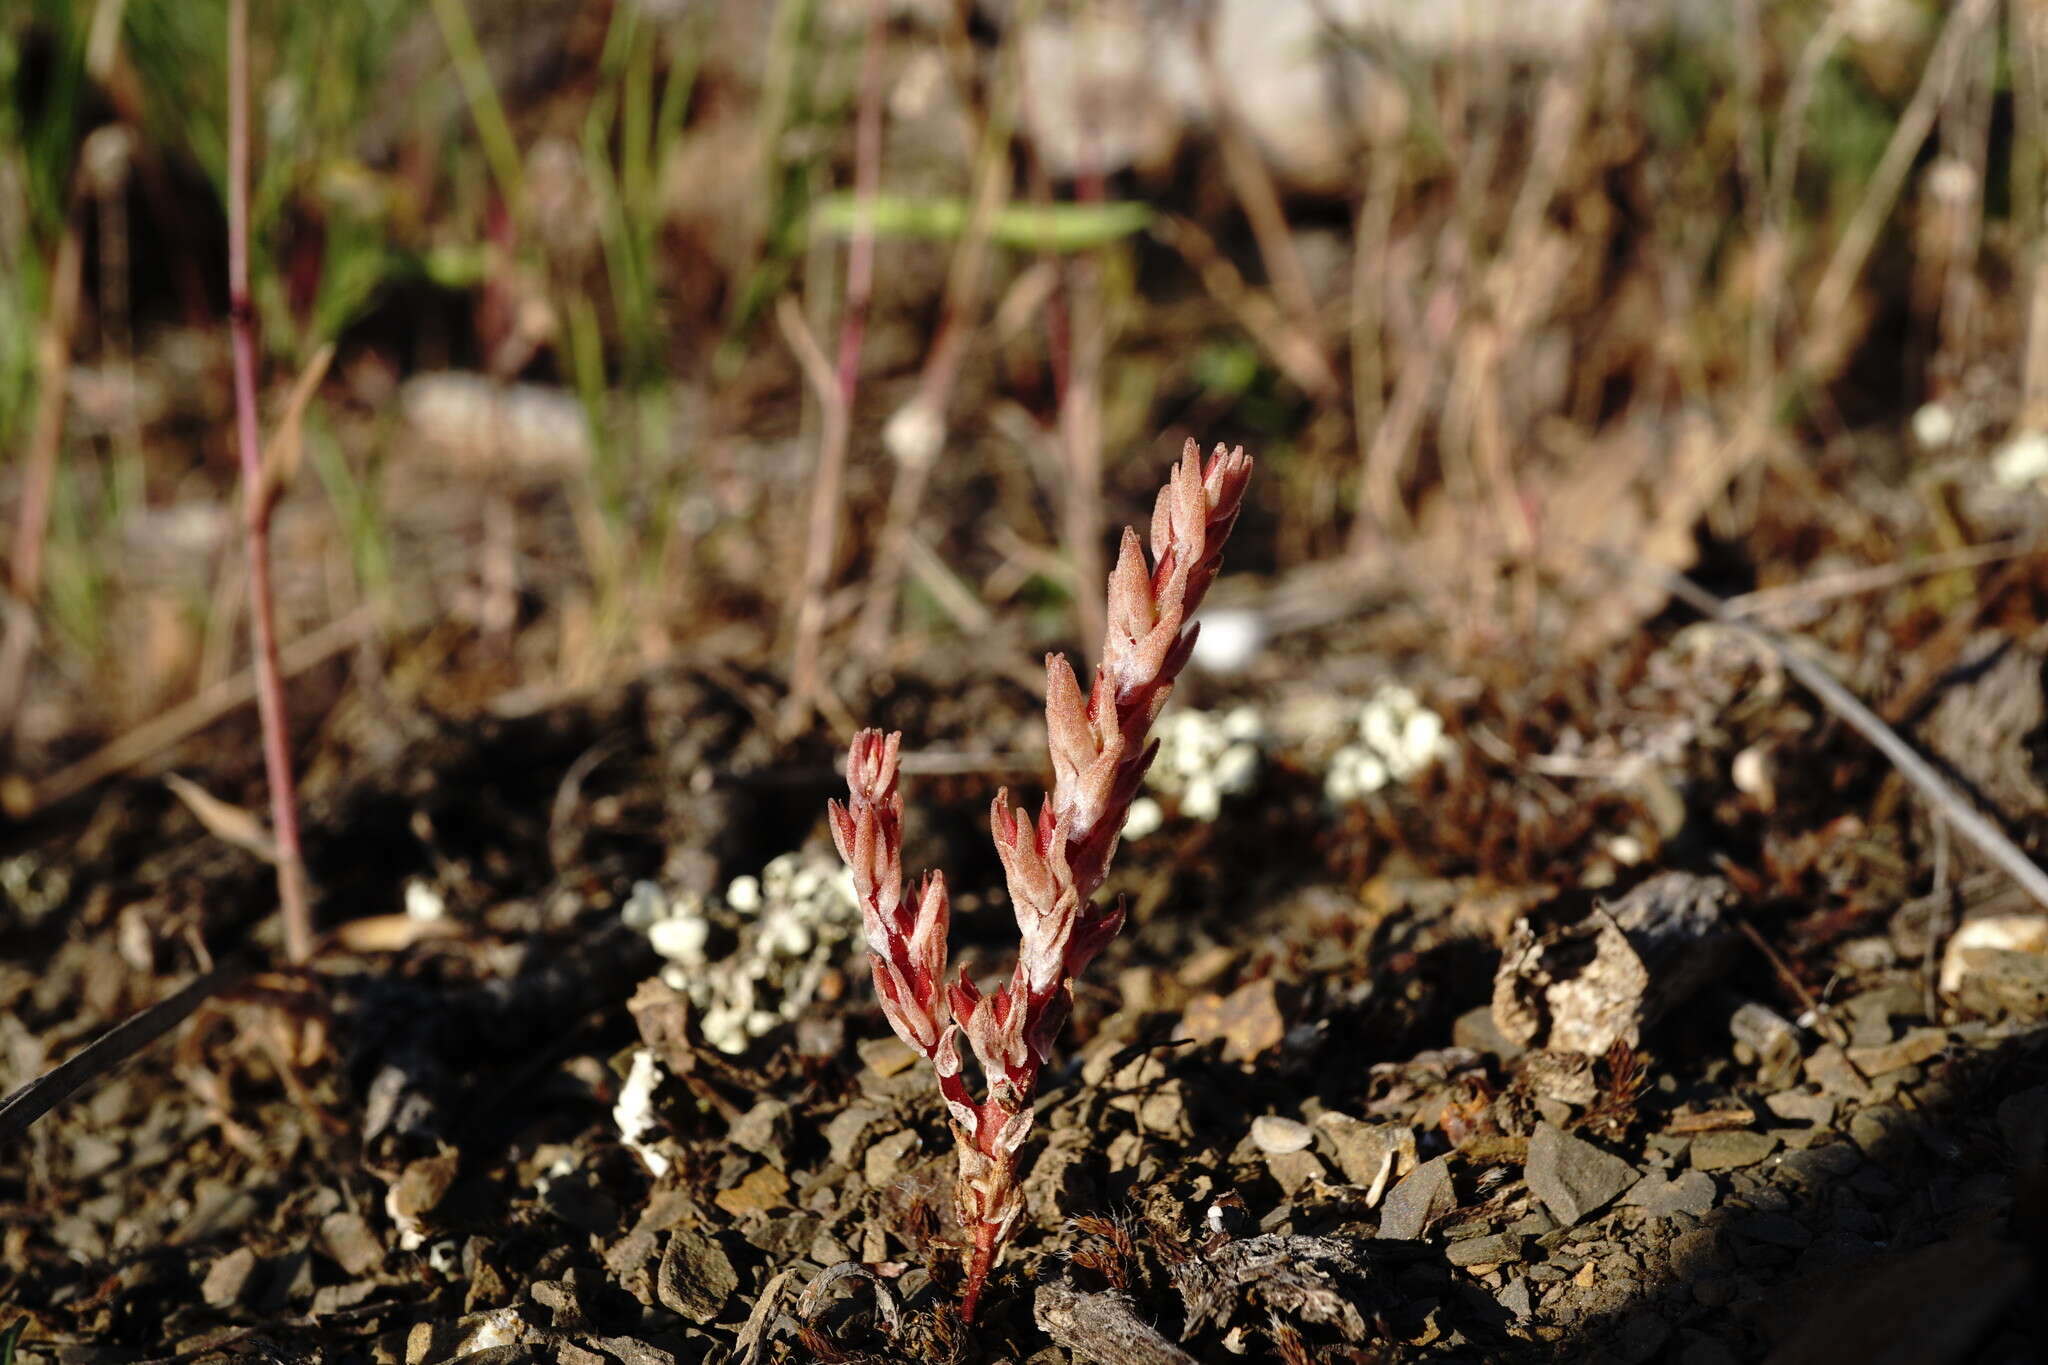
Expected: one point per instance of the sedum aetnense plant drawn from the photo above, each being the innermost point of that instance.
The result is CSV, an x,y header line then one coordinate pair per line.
x,y
1054,864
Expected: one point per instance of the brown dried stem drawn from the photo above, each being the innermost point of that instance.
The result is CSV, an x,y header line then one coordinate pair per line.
x,y
837,401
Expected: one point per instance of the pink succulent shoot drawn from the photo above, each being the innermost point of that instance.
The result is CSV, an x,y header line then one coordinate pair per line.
x,y
1053,864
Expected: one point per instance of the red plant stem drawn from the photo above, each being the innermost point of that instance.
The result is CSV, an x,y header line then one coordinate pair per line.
x,y
256,505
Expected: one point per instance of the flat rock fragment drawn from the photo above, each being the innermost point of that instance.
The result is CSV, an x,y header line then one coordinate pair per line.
x,y
1730,1149
1572,1177
1662,1196
1423,1196
696,1277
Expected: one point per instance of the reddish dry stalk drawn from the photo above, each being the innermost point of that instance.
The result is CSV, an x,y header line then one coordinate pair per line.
x,y
837,425
39,471
256,505
1053,865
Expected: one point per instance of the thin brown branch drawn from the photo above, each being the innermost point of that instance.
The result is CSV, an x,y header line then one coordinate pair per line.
x,y
1947,802
110,1049
836,401
1852,251
39,472
154,736
916,434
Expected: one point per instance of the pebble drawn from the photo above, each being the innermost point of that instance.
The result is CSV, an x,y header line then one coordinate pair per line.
x,y
884,1160
1775,1229
1423,1196
1643,1334
764,1189
1497,1249
1916,1047
764,1130
1881,1131
852,1127
696,1277
1730,1150
1274,1135
1661,1196
1572,1177
228,1277
1296,1170
1796,1106
347,1238
1248,1021
1361,1149
1817,1165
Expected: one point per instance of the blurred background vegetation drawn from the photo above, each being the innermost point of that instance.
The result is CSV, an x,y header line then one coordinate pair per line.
x,y
1482,283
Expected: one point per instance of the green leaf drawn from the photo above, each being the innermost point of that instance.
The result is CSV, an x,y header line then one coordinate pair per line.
x,y
1031,227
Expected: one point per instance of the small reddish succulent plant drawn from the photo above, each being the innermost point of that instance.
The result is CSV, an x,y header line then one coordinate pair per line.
x,y
1053,864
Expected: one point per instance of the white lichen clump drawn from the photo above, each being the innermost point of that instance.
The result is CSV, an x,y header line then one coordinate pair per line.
x,y
1204,756
639,1127
1398,737
792,925
2022,460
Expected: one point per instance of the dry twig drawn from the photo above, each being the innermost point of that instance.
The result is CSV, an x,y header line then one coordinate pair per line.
x,y
835,399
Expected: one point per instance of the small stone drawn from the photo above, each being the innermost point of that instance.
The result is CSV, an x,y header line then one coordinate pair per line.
x,y
887,1056
1248,1021
1829,1069
227,1279
1882,1131
347,1238
1730,1149
559,1298
1498,1249
1817,1166
1475,1029
2001,982
852,1128
1361,1150
92,1154
1164,1110
1796,1106
1775,1229
1916,1047
1273,1134
633,1351
1662,1197
765,1131
1295,1171
1643,1334
330,1299
762,1190
789,1236
884,1160
1423,1196
1697,1252
1514,1297
421,1185
1572,1177
696,1278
